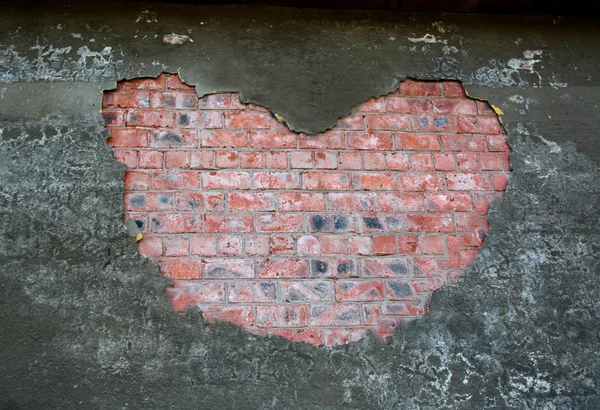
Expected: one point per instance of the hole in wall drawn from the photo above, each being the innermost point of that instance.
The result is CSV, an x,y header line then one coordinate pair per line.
x,y
318,238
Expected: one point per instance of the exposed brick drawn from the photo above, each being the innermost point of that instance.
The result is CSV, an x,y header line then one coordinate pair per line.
x,y
277,231
370,141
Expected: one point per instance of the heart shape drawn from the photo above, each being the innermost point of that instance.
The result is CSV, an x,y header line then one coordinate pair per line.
x,y
315,238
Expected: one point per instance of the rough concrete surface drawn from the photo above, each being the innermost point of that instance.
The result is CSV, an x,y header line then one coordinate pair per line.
x,y
84,322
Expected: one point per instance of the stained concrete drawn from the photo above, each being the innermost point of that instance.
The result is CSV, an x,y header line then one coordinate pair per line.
x,y
83,318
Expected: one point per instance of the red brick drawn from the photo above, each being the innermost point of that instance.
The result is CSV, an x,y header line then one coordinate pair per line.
x,y
173,82
306,202
221,101
500,182
131,99
150,159
308,291
413,87
421,182
199,119
301,159
176,246
128,137
358,290
385,245
454,107
276,180
181,268
325,180
251,160
370,141
150,118
279,223
468,162
157,83
205,245
408,105
176,223
463,143
421,162
193,293
333,268
350,160
252,292
308,245
491,162
246,120
228,223
385,268
399,290
373,105
150,245
282,316
224,139
177,159
360,245
283,268
227,159
228,268
468,182
335,315
273,139
326,160
280,245
412,142
229,245
408,245
310,336
478,125
351,201
484,108
374,160
113,117
137,181
431,223
433,124
250,201
225,180
174,100
444,162
174,139
127,157
453,89
497,143
197,202
449,201
239,315
351,122
256,245
397,161
275,159
433,244
175,179
388,122
202,160
327,140
335,336
375,181
333,244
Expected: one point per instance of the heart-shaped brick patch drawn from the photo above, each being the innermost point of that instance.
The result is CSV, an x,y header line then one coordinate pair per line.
x,y
314,238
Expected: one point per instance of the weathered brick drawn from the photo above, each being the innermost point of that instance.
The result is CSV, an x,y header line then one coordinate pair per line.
x,y
325,180
256,245
326,160
150,118
370,141
204,245
468,182
128,137
247,120
150,159
283,268
398,202
421,162
279,222
404,105
327,140
333,244
182,268
197,202
412,142
299,201
151,245
478,125
127,156
273,139
385,245
375,181
431,223
177,159
421,182
229,245
174,179
227,159
279,245
185,293
176,223
350,160
301,159
333,268
449,201
225,180
250,201
228,223
252,292
433,124
176,246
308,291
282,316
335,315
277,180
137,181
173,139
352,201
228,268
388,122
413,87
308,245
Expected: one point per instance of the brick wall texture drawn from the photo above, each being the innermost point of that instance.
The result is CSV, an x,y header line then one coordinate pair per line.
x,y
314,238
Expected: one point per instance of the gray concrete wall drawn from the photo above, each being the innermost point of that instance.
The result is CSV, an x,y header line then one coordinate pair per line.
x,y
84,322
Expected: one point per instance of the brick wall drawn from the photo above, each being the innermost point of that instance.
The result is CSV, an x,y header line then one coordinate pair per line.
x,y
314,238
